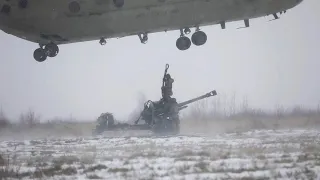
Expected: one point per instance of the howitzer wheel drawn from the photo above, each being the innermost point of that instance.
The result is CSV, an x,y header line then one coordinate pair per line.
x,y
105,121
167,127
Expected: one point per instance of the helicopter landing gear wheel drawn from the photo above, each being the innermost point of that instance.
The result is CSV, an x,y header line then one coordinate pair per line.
x,y
45,51
51,49
118,3
183,43
39,55
199,38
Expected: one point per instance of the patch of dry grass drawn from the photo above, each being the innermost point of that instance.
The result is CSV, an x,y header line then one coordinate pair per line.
x,y
66,160
116,170
10,169
94,176
41,172
7,168
94,168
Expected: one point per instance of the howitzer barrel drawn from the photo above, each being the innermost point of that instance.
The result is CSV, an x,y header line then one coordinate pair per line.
x,y
212,93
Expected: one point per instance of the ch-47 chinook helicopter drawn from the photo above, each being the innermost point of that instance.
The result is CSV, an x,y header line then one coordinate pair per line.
x,y
52,23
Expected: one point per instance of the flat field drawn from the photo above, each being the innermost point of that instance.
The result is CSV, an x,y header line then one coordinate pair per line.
x,y
253,154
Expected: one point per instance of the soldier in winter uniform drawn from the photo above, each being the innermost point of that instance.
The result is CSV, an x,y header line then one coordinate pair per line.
x,y
167,88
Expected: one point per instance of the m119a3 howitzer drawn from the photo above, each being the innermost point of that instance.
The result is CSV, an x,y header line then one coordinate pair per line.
x,y
161,117
158,117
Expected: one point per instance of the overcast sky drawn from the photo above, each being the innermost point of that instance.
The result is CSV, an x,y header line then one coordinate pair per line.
x,y
272,63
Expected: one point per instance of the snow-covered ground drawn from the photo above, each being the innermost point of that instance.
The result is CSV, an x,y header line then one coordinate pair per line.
x,y
263,154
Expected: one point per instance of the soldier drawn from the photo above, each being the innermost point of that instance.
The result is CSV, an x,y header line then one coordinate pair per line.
x,y
167,88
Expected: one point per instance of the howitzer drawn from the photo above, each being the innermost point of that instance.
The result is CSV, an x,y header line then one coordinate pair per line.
x,y
164,115
159,117
185,103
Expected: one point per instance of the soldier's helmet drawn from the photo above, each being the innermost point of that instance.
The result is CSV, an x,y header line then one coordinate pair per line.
x,y
168,76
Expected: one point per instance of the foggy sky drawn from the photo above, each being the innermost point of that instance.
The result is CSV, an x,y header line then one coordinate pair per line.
x,y
271,63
